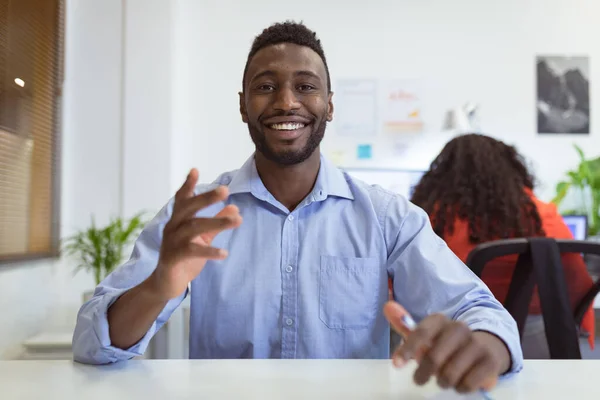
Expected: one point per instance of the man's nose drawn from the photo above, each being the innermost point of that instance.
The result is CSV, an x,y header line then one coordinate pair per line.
x,y
286,100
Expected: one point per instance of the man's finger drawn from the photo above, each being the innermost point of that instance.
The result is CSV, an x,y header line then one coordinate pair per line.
x,y
228,211
454,370
422,337
200,226
187,189
189,207
204,252
477,375
451,340
402,323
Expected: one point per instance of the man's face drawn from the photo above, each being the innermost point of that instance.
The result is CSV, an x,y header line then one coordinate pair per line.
x,y
286,103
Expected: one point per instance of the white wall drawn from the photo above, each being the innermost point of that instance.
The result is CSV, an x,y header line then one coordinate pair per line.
x,y
117,121
92,138
182,129
147,108
475,50
116,141
31,292
26,297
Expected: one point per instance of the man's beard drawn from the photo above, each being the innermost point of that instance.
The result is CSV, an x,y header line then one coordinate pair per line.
x,y
290,157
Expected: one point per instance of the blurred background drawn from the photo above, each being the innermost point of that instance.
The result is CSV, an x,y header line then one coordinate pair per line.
x,y
105,105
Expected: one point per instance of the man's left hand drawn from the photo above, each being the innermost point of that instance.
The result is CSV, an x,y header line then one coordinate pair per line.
x,y
458,357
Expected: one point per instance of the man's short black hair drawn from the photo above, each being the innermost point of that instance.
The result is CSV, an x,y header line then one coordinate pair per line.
x,y
287,32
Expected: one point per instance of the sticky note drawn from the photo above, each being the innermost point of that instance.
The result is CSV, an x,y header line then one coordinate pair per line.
x,y
364,151
337,157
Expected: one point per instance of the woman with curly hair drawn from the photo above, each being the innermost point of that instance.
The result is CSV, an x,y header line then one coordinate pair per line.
x,y
479,189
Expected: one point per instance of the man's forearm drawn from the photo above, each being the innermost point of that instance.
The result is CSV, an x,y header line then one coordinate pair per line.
x,y
130,317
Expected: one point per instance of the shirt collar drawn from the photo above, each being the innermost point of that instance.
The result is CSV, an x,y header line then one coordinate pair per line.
x,y
331,181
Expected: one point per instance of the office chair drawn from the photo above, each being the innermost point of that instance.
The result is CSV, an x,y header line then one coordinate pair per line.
x,y
586,247
539,263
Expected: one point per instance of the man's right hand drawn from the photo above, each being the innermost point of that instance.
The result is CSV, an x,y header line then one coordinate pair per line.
x,y
186,244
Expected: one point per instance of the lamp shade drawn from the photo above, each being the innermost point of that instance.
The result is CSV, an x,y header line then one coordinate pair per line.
x,y
462,119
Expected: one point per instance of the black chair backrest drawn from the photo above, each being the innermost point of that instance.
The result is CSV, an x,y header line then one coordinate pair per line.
x,y
585,247
538,263
486,252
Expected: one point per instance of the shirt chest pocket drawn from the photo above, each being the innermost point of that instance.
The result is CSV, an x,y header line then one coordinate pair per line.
x,y
348,292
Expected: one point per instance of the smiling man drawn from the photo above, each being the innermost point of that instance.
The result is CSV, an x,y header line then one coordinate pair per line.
x,y
305,274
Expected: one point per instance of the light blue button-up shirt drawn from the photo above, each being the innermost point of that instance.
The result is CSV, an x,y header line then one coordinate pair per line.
x,y
310,283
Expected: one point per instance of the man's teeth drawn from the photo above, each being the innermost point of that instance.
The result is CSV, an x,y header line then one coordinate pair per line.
x,y
288,126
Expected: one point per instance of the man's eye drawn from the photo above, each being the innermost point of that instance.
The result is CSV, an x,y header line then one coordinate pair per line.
x,y
306,88
266,88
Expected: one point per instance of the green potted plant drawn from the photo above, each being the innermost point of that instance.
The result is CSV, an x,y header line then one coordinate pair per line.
x,y
102,249
586,180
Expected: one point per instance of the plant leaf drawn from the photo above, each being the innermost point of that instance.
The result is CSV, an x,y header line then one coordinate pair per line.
x,y
572,211
576,178
100,249
562,188
594,172
580,152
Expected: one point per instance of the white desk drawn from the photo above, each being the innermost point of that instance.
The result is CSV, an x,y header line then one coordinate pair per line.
x,y
274,379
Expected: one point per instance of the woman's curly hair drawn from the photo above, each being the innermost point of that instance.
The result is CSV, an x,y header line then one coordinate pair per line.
x,y
480,180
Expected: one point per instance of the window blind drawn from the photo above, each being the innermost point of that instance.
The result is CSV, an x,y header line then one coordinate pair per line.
x,y
31,65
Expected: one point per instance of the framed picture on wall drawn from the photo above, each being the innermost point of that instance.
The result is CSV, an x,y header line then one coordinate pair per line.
x,y
563,94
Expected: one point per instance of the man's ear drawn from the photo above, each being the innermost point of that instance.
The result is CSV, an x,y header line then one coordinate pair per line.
x,y
243,112
330,107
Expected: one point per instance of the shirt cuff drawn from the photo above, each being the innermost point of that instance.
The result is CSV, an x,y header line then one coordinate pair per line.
x,y
510,336
101,329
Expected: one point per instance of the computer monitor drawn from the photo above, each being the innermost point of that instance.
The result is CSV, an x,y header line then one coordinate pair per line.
x,y
578,225
396,180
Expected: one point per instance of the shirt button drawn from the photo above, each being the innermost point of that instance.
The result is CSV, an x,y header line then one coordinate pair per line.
x,y
289,268
291,218
289,322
